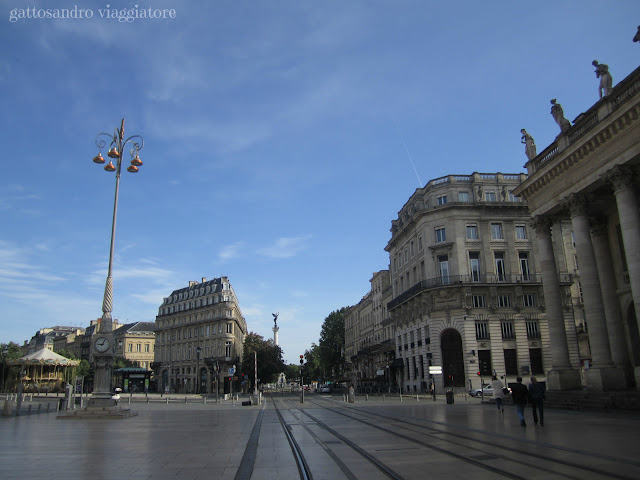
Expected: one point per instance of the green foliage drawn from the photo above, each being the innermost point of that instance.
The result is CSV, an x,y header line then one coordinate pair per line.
x,y
121,362
313,369
292,372
67,354
270,362
85,369
332,343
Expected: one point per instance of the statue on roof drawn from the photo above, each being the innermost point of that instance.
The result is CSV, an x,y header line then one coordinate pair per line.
x,y
558,116
606,80
529,145
636,38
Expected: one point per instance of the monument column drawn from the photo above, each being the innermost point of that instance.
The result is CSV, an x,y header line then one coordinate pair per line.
x,y
562,375
602,375
604,264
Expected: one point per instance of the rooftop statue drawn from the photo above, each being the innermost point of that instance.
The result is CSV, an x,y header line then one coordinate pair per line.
x,y
636,38
606,80
558,116
529,144
275,318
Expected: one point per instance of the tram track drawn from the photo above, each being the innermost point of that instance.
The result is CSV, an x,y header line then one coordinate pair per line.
x,y
459,441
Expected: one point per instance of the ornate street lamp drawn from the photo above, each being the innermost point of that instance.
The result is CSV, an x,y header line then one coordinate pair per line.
x,y
103,346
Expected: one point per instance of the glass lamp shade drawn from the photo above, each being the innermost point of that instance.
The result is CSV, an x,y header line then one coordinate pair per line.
x,y
99,158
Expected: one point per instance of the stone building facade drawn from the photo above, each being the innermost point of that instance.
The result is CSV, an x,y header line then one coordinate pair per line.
x,y
467,286
200,334
136,342
369,338
589,177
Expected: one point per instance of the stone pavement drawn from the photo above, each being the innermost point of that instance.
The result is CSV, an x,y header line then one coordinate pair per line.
x,y
206,441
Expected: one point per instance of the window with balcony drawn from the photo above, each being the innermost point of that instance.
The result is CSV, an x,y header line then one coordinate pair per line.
x,y
500,268
490,196
523,258
474,266
463,196
472,232
443,262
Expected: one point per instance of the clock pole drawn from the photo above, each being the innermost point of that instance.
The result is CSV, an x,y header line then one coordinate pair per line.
x,y
103,345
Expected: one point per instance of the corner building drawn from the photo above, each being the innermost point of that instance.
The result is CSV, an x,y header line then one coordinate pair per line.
x,y
200,334
466,286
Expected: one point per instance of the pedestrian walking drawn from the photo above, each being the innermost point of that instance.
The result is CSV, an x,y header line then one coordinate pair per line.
x,y
520,396
498,394
536,394
432,389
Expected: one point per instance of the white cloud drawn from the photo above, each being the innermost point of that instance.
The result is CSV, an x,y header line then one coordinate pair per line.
x,y
231,251
286,247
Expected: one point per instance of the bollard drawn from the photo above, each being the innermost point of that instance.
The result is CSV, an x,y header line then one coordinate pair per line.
x,y
400,397
167,400
367,397
185,399
7,410
205,400
31,398
39,407
29,410
147,400
417,399
383,397
129,399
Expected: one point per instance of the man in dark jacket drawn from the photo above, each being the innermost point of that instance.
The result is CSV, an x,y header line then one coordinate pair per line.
x,y
536,394
520,395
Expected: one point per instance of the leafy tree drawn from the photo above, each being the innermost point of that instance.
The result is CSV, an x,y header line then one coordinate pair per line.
x,y
121,362
312,366
292,372
67,354
13,352
332,343
269,357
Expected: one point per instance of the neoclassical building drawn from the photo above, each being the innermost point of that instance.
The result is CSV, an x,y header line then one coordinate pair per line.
x,y
589,177
467,292
369,337
200,334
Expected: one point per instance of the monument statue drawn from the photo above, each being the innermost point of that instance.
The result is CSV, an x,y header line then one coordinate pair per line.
x,y
636,37
529,145
606,80
558,116
275,318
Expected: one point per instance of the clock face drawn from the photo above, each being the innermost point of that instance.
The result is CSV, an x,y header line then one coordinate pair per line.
x,y
102,344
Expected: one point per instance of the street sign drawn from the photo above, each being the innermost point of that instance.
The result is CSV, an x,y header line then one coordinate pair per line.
x,y
435,370
232,370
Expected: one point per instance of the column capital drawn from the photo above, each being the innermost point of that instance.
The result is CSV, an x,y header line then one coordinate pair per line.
x,y
577,204
620,177
541,224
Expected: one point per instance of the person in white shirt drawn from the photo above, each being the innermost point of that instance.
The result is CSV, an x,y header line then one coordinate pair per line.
x,y
498,394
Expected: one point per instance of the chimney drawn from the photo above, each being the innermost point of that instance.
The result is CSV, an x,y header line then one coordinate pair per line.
x,y
204,279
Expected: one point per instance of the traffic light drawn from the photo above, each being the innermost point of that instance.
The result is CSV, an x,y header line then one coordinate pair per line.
x,y
301,359
479,373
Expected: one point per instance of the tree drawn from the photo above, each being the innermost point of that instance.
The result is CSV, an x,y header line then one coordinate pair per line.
x,y
332,343
270,362
292,372
121,362
67,354
13,353
312,366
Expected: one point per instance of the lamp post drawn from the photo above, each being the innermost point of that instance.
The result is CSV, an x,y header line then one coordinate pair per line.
x,y
5,352
103,347
198,351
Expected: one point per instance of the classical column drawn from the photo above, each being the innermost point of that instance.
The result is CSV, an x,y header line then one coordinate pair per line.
x,y
602,375
629,213
615,327
562,375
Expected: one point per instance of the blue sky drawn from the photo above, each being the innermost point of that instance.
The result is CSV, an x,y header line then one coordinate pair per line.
x,y
277,141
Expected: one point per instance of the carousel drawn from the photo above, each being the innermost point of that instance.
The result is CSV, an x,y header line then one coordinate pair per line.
x,y
45,371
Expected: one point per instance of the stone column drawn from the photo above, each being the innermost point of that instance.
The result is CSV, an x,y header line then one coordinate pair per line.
x,y
603,374
562,375
629,214
615,327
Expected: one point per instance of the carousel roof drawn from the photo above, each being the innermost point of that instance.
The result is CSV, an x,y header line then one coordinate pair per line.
x,y
44,356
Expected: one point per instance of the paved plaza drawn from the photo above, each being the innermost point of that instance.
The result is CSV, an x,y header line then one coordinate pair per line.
x,y
207,441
